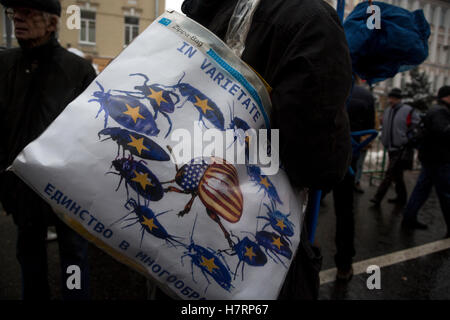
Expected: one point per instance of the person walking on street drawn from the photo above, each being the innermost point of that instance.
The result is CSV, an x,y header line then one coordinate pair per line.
x,y
397,118
37,81
434,154
361,111
361,114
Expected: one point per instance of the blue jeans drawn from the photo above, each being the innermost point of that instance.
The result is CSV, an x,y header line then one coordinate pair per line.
x,y
439,176
32,256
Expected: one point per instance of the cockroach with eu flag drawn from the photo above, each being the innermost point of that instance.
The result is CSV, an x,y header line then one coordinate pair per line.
x,y
139,178
204,105
209,262
137,144
149,222
125,110
162,101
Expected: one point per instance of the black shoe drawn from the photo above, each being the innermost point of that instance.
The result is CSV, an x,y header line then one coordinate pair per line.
x,y
413,224
375,202
397,201
344,275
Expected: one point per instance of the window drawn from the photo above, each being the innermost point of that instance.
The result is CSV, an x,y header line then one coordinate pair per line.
x,y
87,32
131,29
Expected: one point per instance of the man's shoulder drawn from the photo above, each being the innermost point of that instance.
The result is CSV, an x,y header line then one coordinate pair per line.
x,y
73,64
293,13
437,109
72,58
9,55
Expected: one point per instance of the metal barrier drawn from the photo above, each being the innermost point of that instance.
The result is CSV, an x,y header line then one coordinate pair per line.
x,y
376,162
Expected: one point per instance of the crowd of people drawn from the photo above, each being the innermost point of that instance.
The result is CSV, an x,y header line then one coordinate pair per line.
x,y
300,49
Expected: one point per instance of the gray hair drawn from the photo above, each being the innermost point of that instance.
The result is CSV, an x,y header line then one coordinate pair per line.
x,y
48,16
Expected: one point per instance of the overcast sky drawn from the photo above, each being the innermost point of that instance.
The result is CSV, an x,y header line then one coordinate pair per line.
x,y
174,4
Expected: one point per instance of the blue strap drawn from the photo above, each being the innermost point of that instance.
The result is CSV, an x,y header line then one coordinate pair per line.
x,y
315,199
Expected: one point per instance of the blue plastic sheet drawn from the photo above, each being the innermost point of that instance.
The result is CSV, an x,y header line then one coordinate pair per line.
x,y
400,44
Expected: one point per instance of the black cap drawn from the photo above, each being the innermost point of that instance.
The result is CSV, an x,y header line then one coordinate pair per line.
x,y
395,93
50,6
444,92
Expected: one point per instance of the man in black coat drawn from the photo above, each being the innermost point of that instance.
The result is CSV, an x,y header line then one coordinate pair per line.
x,y
361,112
299,48
37,81
434,154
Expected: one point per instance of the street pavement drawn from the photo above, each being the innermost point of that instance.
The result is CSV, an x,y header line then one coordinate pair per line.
x,y
378,236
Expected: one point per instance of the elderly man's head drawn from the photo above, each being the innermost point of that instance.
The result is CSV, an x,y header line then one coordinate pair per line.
x,y
394,97
34,20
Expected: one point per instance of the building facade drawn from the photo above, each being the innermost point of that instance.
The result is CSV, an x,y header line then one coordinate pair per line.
x,y
106,26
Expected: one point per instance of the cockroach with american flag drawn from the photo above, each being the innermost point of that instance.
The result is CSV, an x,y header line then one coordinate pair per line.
x,y
216,183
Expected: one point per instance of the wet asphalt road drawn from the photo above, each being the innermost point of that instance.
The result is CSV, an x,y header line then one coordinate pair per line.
x,y
378,232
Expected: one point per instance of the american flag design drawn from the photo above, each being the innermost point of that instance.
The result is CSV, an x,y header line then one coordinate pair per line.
x,y
189,176
220,192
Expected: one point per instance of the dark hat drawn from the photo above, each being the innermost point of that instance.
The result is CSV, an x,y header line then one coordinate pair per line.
x,y
50,6
444,92
395,93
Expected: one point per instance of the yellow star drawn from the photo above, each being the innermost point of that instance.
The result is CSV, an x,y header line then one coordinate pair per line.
x,y
149,223
276,241
157,96
133,113
249,253
281,224
138,144
209,264
202,104
264,182
142,179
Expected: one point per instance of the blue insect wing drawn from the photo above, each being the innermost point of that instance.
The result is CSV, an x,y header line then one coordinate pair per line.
x,y
281,223
250,253
209,263
208,109
141,179
272,193
253,171
166,104
286,230
274,243
145,183
133,115
240,124
142,146
150,223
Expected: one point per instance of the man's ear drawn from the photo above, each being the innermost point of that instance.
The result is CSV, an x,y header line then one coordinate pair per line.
x,y
52,23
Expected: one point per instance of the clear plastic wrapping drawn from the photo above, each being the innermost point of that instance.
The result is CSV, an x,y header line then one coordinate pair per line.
x,y
239,25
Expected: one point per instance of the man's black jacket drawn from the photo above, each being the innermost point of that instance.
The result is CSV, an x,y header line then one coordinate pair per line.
x,y
299,48
361,109
35,87
435,149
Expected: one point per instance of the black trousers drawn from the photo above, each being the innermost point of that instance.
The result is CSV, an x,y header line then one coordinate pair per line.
x,y
32,256
394,173
345,224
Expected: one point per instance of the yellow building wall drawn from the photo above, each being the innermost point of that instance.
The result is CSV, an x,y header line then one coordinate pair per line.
x,y
110,24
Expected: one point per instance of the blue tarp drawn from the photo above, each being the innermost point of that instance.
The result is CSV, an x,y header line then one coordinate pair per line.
x,y
400,44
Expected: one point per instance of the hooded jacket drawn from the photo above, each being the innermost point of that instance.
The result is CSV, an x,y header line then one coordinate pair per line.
x,y
35,86
299,48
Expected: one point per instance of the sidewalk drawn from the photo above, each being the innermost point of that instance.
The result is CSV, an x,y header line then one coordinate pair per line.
x,y
378,233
